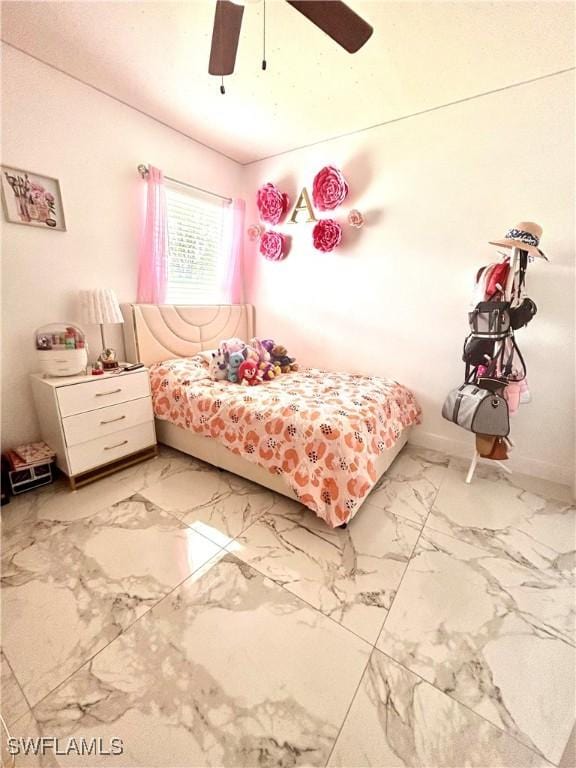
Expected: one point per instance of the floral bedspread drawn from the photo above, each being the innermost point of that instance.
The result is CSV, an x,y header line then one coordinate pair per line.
x,y
321,431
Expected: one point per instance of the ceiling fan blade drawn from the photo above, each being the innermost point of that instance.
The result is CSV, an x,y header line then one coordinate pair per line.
x,y
338,21
225,36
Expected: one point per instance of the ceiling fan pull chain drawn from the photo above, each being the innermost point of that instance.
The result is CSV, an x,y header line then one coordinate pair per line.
x,y
222,89
264,37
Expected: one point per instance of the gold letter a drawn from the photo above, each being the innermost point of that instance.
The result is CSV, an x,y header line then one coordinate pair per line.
x,y
302,204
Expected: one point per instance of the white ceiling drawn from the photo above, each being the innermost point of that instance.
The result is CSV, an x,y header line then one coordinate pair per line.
x,y
154,56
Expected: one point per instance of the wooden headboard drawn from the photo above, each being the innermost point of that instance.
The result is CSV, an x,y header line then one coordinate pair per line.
x,y
156,332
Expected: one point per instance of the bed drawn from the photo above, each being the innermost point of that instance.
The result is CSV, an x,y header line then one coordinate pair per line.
x,y
319,437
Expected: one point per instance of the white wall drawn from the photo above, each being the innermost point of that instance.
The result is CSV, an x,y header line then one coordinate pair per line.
x,y
393,299
56,126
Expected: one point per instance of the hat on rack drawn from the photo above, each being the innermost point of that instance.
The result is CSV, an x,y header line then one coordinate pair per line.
x,y
526,236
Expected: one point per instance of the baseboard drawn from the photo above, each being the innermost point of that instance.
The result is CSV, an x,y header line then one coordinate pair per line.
x,y
517,462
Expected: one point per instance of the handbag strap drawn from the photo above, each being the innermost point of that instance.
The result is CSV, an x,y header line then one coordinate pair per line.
x,y
518,280
507,367
470,374
457,404
522,266
493,366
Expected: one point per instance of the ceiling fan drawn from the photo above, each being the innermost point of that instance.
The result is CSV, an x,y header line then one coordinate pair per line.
x,y
333,17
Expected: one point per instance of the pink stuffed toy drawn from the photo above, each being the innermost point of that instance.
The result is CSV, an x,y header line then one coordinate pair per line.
x,y
263,353
248,373
250,353
228,346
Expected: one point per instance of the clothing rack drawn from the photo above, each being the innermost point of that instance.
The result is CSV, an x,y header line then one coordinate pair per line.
x,y
143,171
514,266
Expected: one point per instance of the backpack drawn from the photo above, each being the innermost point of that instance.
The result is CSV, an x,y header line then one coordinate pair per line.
x,y
490,320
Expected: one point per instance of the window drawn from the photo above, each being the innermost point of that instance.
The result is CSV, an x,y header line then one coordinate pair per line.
x,y
196,234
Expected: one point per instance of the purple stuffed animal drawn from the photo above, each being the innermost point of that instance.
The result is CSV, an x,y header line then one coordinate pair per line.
x,y
228,346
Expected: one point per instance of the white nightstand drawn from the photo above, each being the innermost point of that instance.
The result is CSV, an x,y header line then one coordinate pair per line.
x,y
96,424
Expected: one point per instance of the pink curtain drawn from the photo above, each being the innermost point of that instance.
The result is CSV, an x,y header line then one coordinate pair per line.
x,y
233,289
153,267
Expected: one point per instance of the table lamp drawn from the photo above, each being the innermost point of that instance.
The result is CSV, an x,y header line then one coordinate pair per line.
x,y
100,306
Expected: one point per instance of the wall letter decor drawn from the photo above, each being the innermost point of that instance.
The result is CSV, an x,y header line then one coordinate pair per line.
x,y
302,204
329,190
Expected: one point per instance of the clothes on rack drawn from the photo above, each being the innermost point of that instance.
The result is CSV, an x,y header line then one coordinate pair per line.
x,y
491,354
504,281
495,370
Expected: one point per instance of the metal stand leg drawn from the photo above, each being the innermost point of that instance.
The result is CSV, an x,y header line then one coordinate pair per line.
x,y
472,468
474,463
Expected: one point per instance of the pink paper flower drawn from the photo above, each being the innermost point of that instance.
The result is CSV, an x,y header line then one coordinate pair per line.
x,y
272,204
326,235
273,245
255,231
355,219
329,188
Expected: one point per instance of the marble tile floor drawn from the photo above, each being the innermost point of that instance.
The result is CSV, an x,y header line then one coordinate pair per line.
x,y
206,621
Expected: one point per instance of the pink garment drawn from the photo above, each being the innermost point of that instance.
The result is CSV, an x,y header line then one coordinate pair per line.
x,y
232,286
512,394
153,267
525,396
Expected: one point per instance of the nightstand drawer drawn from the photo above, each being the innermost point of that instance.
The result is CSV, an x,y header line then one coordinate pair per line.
x,y
106,421
92,394
105,449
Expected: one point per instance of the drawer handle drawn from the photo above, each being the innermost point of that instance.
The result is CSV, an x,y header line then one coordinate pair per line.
x,y
111,421
109,447
112,392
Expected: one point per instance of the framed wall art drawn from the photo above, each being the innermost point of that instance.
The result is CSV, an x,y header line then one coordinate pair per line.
x,y
31,199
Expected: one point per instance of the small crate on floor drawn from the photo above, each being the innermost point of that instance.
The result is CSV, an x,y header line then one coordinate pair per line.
x,y
26,479
28,467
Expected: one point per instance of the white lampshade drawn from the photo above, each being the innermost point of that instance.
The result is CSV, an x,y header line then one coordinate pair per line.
x,y
100,305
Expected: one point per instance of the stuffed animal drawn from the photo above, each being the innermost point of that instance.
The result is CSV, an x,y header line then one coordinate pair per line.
x,y
269,371
234,362
218,367
268,345
251,353
248,373
228,346
263,353
279,356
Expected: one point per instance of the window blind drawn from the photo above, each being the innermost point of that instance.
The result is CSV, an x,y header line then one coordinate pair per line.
x,y
196,233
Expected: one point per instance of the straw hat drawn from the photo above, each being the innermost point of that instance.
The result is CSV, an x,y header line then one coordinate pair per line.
x,y
526,236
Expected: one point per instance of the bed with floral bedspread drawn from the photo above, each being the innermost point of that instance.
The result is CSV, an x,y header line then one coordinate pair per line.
x,y
321,431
